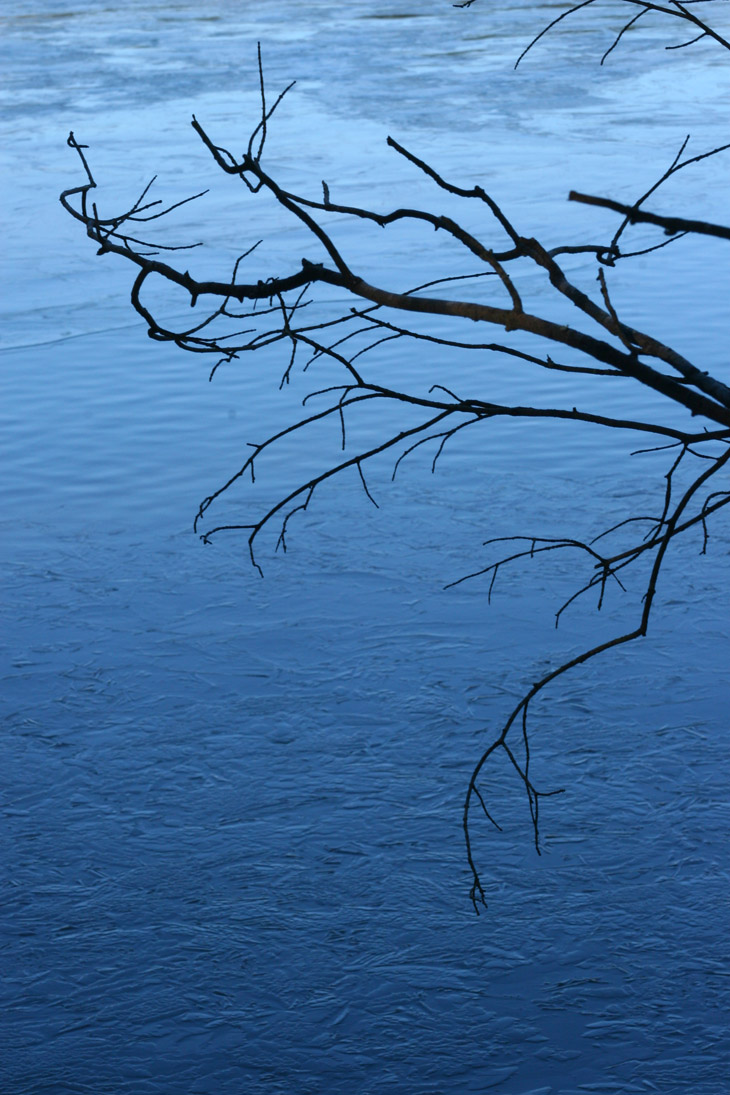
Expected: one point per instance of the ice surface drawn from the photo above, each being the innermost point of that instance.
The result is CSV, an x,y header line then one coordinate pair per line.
x,y
232,850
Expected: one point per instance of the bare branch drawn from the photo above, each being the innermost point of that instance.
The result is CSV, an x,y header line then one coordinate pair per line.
x,y
671,225
296,307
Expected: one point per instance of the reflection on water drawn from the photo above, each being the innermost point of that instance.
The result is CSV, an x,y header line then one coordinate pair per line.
x,y
232,807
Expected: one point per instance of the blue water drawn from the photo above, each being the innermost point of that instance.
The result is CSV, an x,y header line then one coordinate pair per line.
x,y
232,854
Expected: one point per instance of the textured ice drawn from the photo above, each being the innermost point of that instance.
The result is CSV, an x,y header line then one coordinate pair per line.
x,y
231,808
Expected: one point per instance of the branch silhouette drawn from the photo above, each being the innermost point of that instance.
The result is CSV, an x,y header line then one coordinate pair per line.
x,y
293,307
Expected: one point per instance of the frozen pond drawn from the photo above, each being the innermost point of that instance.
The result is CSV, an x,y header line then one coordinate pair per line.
x,y
232,854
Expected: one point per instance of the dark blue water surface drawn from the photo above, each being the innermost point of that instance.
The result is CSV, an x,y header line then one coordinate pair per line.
x,y
232,851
